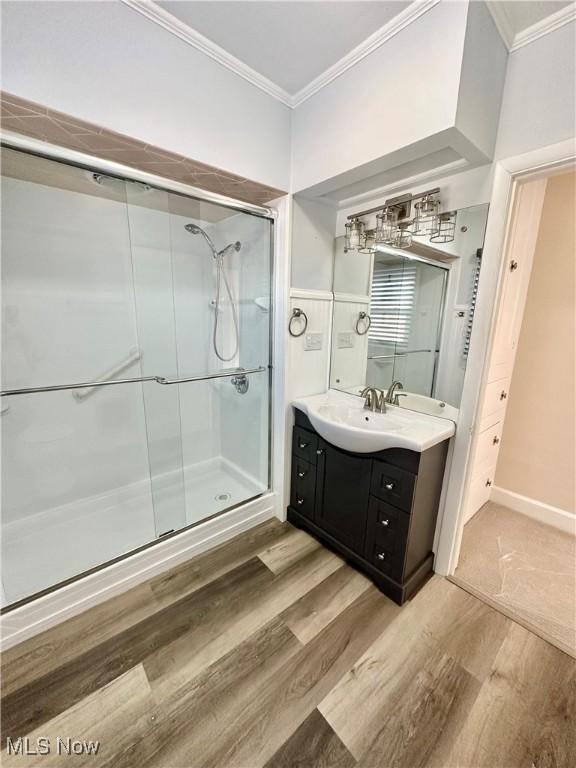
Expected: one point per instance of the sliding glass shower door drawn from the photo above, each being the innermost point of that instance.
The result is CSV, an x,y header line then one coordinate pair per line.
x,y
101,282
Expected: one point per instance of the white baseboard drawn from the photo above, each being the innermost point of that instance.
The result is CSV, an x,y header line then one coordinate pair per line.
x,y
544,513
51,609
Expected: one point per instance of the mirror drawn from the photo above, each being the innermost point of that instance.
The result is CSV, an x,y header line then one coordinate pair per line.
x,y
406,315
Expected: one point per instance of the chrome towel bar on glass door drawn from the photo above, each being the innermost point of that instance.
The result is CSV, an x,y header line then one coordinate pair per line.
x,y
158,379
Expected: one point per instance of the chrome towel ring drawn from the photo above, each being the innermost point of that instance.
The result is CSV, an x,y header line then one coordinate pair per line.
x,y
363,316
297,313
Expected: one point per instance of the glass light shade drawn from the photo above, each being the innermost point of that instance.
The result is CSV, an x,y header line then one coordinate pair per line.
x,y
385,226
446,228
368,244
356,233
347,228
426,220
403,235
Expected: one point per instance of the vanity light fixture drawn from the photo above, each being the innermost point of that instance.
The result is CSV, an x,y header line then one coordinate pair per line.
x,y
403,235
426,220
368,242
446,228
385,226
356,233
394,225
347,232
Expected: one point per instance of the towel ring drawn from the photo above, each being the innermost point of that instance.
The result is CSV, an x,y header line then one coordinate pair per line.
x,y
367,323
297,313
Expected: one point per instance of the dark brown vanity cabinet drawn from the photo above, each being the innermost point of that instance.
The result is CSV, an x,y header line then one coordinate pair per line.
x,y
378,510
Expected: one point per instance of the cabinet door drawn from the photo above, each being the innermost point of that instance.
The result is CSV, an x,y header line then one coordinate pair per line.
x,y
342,490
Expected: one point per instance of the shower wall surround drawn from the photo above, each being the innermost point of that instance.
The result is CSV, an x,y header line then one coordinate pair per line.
x,y
99,272
40,122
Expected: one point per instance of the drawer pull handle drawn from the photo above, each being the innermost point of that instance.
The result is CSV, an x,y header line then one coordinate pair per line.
x,y
302,474
389,486
495,440
303,445
488,483
299,501
320,451
385,523
381,555
503,395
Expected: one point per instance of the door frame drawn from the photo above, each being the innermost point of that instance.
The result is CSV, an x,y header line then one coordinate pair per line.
x,y
509,173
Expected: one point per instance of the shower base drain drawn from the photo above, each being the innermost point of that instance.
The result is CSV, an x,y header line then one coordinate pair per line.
x,y
223,496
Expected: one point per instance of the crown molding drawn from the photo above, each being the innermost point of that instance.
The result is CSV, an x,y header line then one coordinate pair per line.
x,y
163,18
155,13
544,27
159,16
409,15
500,18
515,41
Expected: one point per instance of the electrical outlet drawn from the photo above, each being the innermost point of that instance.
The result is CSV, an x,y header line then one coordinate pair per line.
x,y
345,340
313,341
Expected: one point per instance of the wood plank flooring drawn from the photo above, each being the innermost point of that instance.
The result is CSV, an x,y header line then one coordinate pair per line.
x,y
271,652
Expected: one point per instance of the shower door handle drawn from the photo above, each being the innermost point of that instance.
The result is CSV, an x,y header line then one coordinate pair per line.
x,y
217,375
138,380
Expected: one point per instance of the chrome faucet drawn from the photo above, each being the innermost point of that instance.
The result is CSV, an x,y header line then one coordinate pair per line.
x,y
391,396
374,399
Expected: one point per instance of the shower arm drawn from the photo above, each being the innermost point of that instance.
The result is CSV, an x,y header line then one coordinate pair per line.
x,y
158,379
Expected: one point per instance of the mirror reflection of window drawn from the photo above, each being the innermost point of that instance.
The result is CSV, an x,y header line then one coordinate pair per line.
x,y
421,305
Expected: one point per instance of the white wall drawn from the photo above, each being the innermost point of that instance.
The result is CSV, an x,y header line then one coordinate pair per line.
x,y
313,228
404,92
539,102
105,63
482,79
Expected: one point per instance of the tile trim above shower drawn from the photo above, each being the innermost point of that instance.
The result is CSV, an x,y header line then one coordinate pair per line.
x,y
41,122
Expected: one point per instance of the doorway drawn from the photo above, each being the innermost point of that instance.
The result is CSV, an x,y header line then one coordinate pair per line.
x,y
518,548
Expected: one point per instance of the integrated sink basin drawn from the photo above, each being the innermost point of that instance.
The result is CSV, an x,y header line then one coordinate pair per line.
x,y
342,420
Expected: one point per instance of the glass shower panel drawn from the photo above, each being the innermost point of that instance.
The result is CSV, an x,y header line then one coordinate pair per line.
x,y
76,487
222,299
152,266
105,280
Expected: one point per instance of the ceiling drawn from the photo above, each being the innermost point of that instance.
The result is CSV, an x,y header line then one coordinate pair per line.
x,y
291,48
290,43
521,14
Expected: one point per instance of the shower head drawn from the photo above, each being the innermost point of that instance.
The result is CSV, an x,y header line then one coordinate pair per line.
x,y
232,247
194,229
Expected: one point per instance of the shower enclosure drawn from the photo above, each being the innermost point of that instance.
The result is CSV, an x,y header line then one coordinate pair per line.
x,y
135,368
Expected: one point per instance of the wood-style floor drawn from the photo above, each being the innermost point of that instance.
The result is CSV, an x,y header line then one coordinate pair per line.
x,y
270,651
525,569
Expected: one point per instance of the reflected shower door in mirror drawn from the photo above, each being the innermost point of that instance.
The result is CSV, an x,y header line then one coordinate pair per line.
x,y
406,316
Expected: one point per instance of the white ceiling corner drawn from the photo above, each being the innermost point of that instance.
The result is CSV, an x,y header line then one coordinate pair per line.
x,y
407,13
522,21
519,22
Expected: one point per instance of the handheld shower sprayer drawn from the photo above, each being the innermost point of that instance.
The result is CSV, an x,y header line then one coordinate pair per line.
x,y
218,256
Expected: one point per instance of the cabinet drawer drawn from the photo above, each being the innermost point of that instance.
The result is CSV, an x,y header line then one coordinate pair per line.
x,y
303,487
388,527
396,486
385,559
304,444
495,397
488,444
480,488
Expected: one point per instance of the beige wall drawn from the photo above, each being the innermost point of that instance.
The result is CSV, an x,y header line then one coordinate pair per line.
x,y
537,458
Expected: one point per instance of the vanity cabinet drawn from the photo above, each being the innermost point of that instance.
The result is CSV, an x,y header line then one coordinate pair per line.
x,y
378,510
